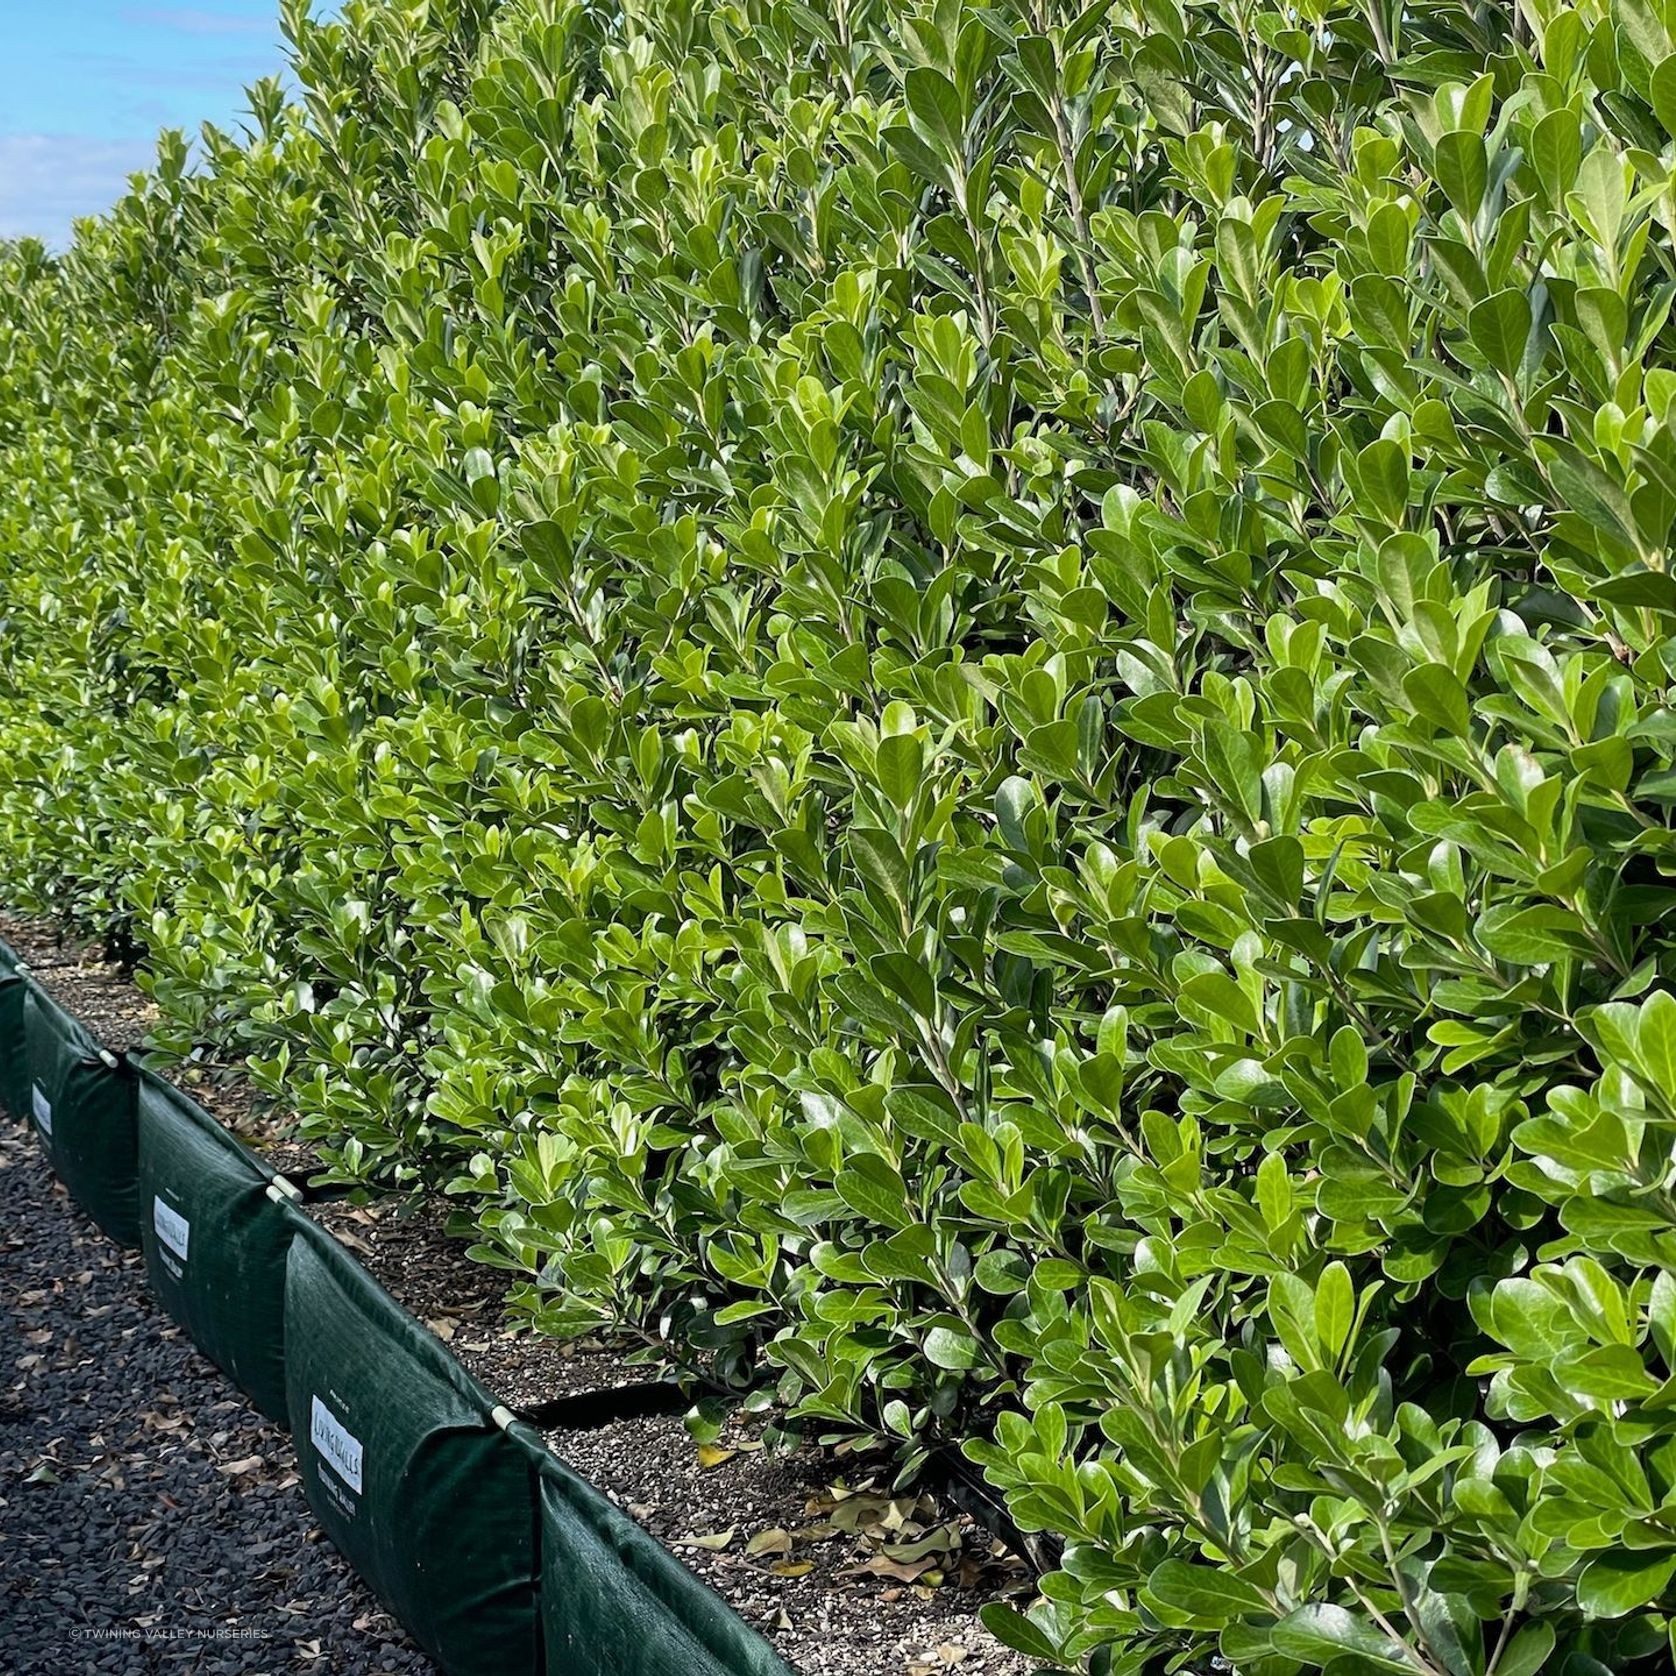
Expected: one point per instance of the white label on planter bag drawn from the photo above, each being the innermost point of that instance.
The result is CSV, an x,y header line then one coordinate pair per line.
x,y
339,1448
43,1110
172,1228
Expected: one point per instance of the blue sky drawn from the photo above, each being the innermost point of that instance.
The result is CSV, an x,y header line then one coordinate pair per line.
x,y
85,85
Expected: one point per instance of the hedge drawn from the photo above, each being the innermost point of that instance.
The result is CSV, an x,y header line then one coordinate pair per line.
x,y
967,711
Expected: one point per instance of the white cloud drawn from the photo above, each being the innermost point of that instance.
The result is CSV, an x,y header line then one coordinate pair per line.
x,y
48,180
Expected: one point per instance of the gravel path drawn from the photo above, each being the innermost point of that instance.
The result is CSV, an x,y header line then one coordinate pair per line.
x,y
149,1519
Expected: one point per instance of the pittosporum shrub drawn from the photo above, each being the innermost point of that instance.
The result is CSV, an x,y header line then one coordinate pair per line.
x,y
967,711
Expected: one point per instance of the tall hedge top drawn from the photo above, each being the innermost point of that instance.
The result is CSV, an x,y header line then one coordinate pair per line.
x,y
967,711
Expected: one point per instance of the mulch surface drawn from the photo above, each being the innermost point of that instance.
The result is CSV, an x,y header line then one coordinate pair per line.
x,y
120,1014
117,1012
810,1547
149,1519
404,1244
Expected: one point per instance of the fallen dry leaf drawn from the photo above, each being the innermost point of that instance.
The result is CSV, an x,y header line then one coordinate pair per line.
x,y
944,1540
928,1572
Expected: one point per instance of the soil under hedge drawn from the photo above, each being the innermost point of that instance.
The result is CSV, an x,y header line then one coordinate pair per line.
x,y
811,1548
98,992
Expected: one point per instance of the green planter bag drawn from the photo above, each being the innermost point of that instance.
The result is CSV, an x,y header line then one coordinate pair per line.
x,y
81,1099
14,1049
615,1602
215,1240
406,1468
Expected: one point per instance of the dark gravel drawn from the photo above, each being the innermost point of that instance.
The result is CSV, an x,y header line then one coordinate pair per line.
x,y
149,1520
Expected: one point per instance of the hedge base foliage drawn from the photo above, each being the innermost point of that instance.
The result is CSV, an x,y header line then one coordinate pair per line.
x,y
964,708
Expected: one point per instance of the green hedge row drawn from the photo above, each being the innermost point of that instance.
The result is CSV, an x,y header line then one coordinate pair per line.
x,y
967,710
